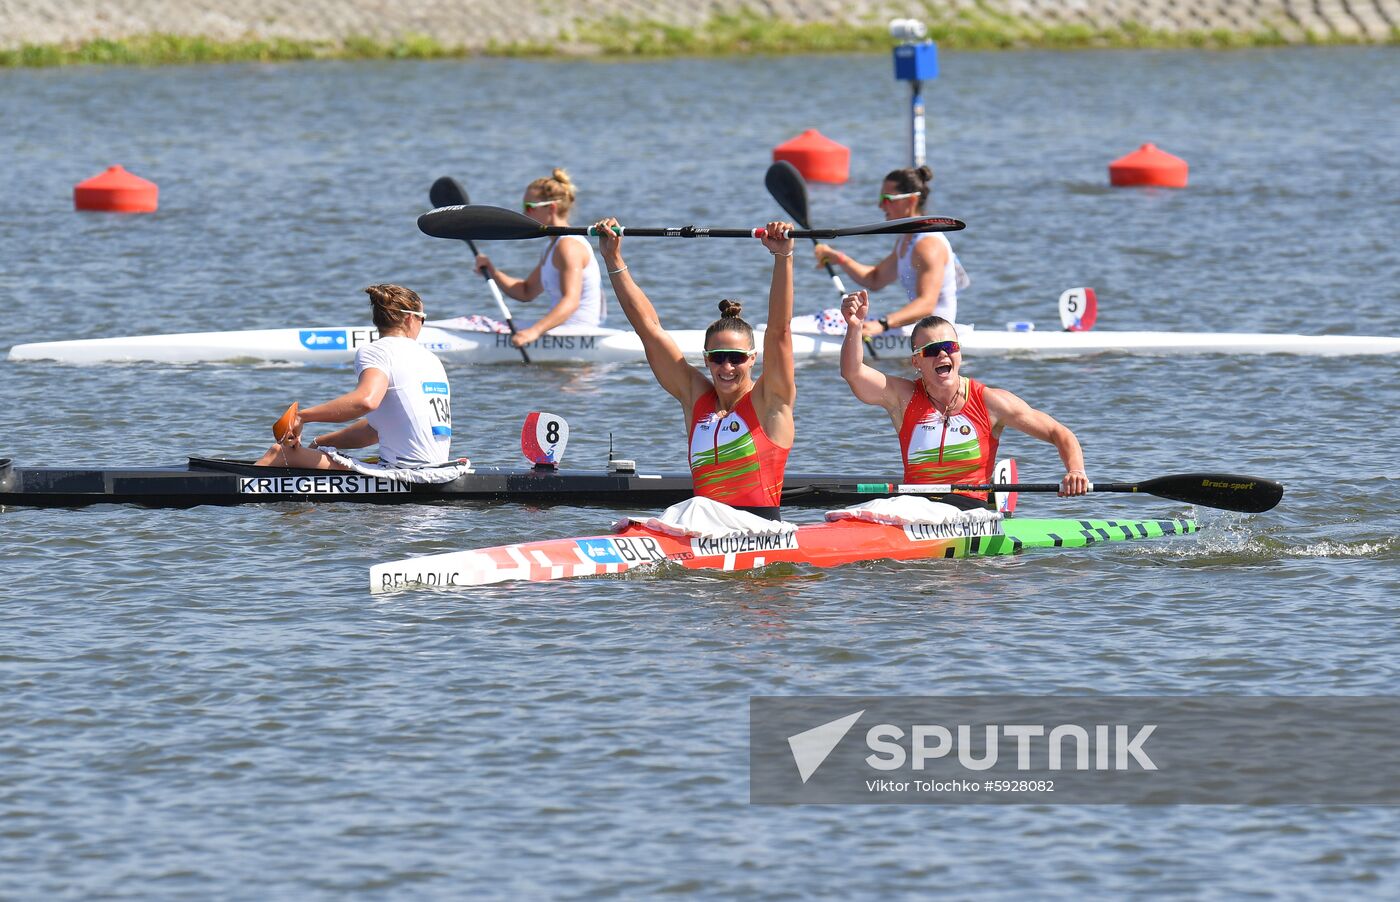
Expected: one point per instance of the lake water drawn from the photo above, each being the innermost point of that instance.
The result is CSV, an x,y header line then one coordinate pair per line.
x,y
209,702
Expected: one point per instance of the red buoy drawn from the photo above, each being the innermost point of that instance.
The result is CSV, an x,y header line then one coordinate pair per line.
x,y
116,191
1148,166
816,156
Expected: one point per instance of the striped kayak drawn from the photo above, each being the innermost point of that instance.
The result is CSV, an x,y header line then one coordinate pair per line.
x,y
825,544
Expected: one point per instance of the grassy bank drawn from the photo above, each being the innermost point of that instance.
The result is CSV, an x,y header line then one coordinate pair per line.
x,y
623,39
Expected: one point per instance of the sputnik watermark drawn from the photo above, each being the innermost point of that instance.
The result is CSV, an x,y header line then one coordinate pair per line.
x,y
1065,750
1112,747
810,747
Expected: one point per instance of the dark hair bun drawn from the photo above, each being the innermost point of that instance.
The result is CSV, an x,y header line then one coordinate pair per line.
x,y
925,173
731,308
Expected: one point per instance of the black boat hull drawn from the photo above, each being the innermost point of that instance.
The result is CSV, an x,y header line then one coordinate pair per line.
x,y
229,482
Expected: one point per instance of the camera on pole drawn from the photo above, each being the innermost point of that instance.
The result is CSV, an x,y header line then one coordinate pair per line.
x,y
915,61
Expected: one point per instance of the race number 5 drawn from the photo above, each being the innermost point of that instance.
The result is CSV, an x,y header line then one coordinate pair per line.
x,y
1079,307
543,438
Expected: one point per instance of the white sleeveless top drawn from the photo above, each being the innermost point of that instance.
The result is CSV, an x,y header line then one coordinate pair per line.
x,y
947,306
592,309
414,420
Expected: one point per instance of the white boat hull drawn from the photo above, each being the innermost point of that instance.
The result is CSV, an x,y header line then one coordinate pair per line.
x,y
336,345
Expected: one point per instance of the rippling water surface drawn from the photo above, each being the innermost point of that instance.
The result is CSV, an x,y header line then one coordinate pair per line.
x,y
209,701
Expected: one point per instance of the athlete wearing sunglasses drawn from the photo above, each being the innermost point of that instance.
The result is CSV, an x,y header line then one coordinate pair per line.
x,y
740,427
949,425
401,400
567,273
923,263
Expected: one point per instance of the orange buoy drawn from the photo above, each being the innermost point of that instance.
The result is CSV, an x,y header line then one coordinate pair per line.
x,y
816,156
1148,166
116,191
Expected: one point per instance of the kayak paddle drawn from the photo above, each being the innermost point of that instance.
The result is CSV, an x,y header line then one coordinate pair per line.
x,y
486,223
446,192
789,189
1247,494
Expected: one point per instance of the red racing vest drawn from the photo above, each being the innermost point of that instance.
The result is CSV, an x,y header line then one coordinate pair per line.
x,y
731,458
939,449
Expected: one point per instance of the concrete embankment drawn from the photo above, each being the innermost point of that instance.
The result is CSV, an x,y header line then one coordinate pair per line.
x,y
566,25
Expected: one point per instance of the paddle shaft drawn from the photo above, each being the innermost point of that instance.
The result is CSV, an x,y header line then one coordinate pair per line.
x,y
1247,494
500,301
448,190
891,488
836,280
498,224
784,181
702,232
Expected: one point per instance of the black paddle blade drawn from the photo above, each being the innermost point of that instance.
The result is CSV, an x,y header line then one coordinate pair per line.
x,y
446,192
896,227
789,189
478,222
1247,494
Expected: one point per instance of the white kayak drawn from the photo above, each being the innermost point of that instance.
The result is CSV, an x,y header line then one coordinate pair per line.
x,y
477,339
337,344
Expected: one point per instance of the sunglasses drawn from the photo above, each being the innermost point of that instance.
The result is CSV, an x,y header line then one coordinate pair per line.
x,y
934,348
722,356
421,314
529,205
889,197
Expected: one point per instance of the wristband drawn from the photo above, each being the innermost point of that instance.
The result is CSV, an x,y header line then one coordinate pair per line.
x,y
613,272
884,322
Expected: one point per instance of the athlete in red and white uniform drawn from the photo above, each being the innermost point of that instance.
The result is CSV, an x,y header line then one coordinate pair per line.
x,y
949,425
740,427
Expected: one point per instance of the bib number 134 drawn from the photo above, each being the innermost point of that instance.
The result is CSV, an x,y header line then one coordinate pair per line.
x,y
440,403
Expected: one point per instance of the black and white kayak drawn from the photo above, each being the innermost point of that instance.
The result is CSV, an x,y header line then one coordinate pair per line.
x,y
227,482
544,438
476,339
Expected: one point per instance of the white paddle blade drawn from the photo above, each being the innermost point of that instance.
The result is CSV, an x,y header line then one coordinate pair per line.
x,y
1005,473
543,438
1079,308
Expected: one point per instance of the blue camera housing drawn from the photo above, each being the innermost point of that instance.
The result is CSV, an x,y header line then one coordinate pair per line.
x,y
916,62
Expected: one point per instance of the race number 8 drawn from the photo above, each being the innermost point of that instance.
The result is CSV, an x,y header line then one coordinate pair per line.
x,y
543,438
